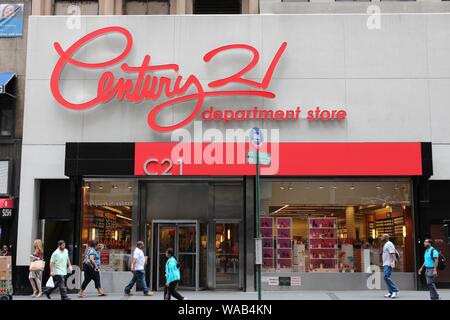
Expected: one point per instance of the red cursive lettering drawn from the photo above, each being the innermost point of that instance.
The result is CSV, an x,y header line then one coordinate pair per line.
x,y
149,86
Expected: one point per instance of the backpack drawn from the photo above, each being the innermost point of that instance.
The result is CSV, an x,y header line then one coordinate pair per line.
x,y
441,259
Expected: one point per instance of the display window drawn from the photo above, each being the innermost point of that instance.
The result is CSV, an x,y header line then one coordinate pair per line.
x,y
334,226
107,218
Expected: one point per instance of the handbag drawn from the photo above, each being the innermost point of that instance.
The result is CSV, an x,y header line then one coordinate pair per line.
x,y
37,265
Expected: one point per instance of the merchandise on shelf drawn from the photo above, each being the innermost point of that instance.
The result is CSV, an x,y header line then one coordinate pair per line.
x,y
267,235
284,244
323,244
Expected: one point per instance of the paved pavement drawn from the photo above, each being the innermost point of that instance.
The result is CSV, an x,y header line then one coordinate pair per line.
x,y
278,295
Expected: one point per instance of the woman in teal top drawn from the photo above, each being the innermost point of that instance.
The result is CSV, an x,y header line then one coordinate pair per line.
x,y
91,268
172,277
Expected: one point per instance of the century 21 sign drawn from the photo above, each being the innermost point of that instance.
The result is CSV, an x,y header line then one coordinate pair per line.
x,y
149,86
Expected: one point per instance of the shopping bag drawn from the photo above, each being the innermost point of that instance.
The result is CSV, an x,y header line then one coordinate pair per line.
x,y
50,283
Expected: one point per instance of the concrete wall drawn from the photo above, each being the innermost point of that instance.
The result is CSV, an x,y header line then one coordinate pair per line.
x,y
85,7
145,7
350,6
393,82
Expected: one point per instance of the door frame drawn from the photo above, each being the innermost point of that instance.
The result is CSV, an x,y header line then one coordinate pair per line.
x,y
155,247
212,252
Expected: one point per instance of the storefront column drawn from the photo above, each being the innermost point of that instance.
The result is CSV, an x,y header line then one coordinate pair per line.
x,y
350,222
250,7
41,7
178,7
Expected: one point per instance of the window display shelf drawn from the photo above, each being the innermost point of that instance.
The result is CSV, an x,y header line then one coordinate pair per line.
x,y
323,242
284,243
267,235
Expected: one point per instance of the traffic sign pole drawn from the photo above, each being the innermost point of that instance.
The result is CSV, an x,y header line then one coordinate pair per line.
x,y
258,266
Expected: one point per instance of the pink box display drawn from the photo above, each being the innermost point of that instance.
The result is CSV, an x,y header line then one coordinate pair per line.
x,y
267,235
284,244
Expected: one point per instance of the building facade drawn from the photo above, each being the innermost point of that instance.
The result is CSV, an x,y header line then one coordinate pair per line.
x,y
137,128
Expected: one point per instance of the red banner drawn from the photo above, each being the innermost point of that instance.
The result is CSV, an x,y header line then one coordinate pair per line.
x,y
286,159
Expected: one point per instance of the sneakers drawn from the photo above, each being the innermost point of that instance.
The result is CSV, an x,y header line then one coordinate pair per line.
x,y
47,295
395,295
388,295
149,294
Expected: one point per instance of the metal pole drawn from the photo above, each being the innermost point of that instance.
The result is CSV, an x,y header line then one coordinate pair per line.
x,y
258,266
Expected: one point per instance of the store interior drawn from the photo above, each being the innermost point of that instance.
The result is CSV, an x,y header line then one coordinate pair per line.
x,y
107,218
334,226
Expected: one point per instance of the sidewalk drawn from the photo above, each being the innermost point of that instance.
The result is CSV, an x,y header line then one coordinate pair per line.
x,y
278,295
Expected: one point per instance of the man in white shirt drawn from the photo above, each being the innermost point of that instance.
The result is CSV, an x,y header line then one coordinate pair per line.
x,y
389,258
138,269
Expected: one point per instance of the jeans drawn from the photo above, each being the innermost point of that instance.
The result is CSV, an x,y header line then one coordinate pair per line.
x,y
388,279
59,283
171,291
138,275
89,275
434,295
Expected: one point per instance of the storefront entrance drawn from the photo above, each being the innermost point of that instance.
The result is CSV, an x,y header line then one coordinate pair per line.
x,y
184,238
227,255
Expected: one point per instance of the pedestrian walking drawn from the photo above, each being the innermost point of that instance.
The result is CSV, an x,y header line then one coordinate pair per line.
x,y
59,266
430,264
389,259
91,268
172,277
138,269
36,268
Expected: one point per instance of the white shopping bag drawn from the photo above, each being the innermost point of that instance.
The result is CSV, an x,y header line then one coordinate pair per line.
x,y
50,283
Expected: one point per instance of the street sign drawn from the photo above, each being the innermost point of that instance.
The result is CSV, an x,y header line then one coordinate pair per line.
x,y
264,158
256,137
258,251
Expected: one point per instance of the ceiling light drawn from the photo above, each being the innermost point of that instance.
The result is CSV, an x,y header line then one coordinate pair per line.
x,y
321,187
100,188
123,217
352,187
115,186
282,188
86,186
291,188
130,187
113,209
276,211
334,186
378,187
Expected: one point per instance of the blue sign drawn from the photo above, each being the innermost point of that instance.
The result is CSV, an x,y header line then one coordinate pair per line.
x,y
11,20
256,137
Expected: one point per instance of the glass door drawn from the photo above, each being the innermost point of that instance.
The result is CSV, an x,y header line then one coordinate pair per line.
x,y
227,255
186,254
183,239
166,240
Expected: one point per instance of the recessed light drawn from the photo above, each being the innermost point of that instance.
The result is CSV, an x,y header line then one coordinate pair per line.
x,y
130,187
115,186
100,188
378,187
352,187
291,188
321,187
334,186
282,188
